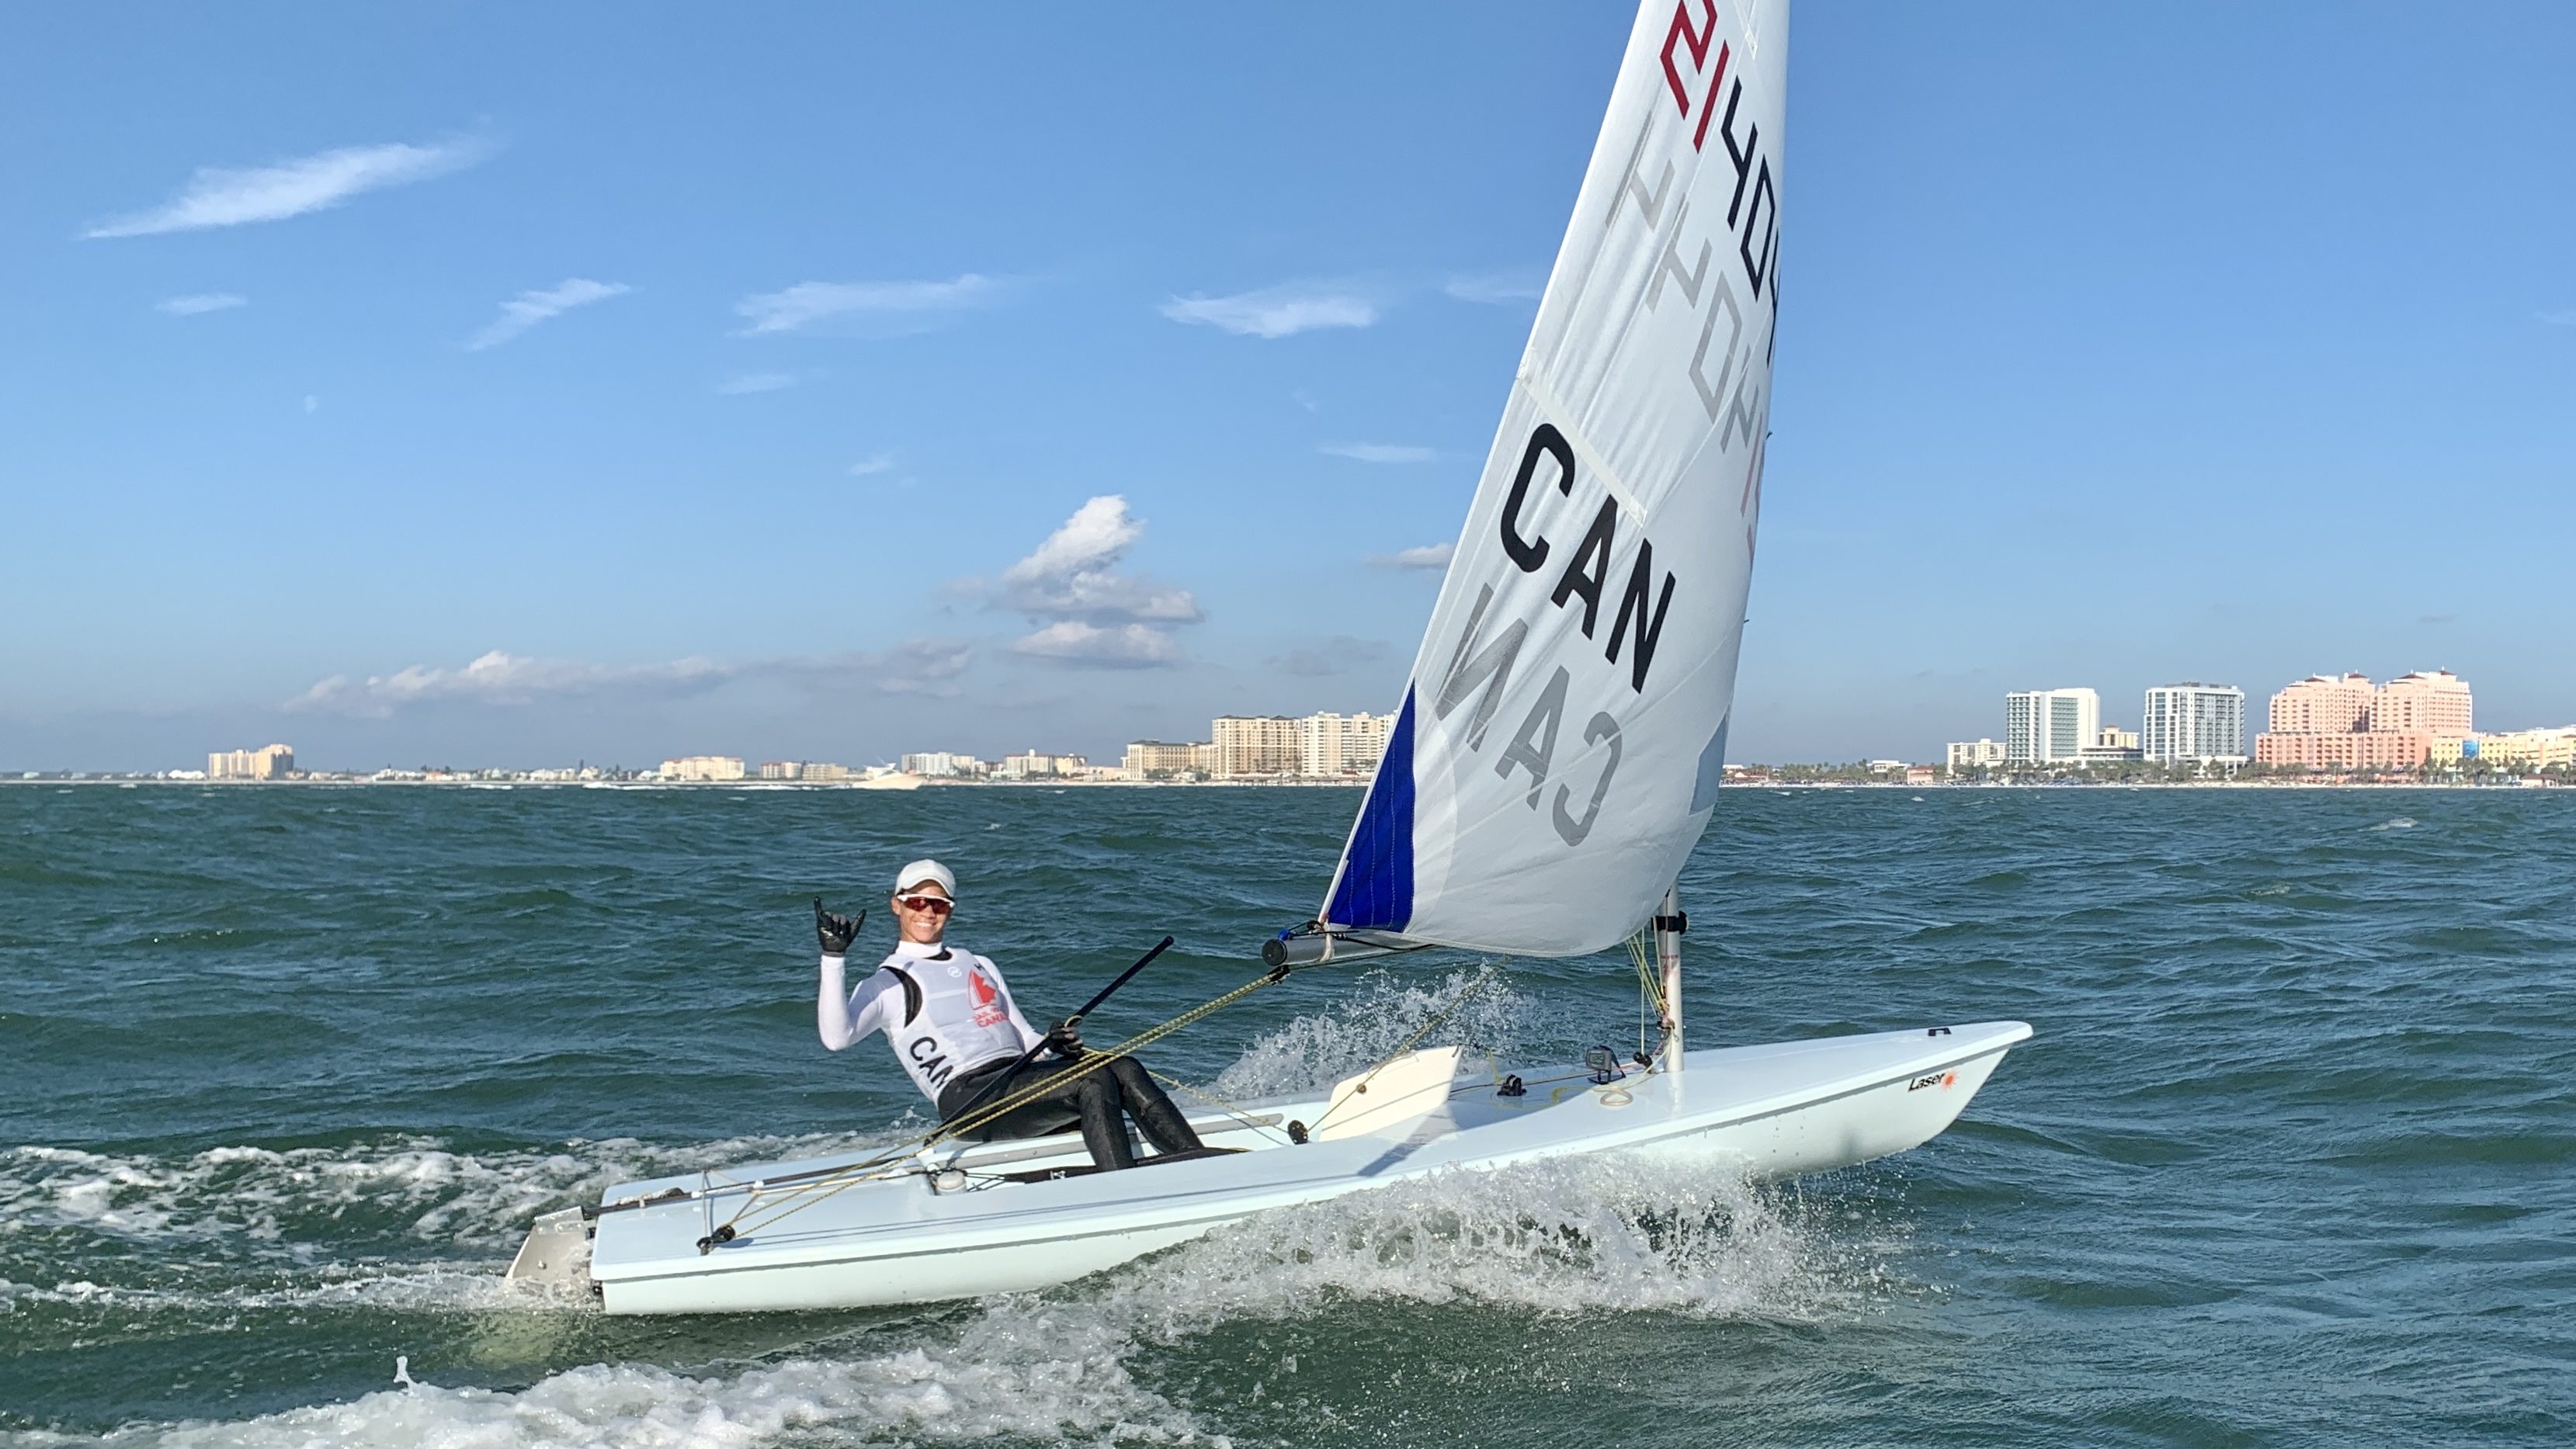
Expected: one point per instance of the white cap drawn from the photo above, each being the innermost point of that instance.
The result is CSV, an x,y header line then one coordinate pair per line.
x,y
925,870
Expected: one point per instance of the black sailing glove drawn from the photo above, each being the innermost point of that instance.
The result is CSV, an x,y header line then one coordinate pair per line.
x,y
1065,1038
835,932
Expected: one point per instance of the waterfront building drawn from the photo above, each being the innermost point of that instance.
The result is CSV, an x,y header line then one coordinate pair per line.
x,y
270,762
1344,744
822,773
1039,765
703,769
2194,724
2346,724
1316,746
2321,704
2044,726
1257,745
942,765
1976,754
2437,702
2521,750
781,770
2111,745
1168,760
2346,750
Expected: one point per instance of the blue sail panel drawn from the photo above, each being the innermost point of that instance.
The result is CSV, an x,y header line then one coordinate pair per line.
x,y
1375,890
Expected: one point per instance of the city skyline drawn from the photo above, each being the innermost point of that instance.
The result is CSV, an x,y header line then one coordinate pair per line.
x,y
470,408
2178,721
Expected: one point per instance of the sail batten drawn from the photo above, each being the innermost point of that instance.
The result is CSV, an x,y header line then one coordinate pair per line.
x,y
1564,728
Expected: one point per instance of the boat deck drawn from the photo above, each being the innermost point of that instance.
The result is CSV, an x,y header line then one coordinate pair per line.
x,y
958,1220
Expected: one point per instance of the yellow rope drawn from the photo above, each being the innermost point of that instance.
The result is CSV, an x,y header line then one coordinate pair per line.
x,y
1220,1103
1650,983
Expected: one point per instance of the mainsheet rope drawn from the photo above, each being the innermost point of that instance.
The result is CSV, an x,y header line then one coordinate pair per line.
x,y
806,1194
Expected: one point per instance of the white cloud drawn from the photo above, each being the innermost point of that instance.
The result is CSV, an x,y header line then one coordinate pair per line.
x,y
312,404
230,196
1089,612
200,303
1507,287
1380,452
919,666
810,302
498,677
528,309
1426,556
1127,646
870,467
756,382
1074,573
1281,311
2563,318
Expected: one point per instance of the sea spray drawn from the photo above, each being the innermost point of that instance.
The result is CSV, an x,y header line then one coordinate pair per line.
x,y
414,1187
1375,1018
1585,1238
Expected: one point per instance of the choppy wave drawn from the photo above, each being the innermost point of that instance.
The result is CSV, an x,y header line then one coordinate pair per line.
x,y
1578,1239
422,1187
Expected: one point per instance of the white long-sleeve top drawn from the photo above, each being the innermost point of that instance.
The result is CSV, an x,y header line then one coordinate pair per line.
x,y
945,1011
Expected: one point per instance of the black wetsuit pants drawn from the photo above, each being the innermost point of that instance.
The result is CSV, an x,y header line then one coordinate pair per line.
x,y
1092,1101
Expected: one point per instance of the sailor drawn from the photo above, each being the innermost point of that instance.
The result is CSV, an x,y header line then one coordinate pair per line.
x,y
958,1031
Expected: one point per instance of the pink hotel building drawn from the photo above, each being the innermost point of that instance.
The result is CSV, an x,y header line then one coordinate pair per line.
x,y
2325,723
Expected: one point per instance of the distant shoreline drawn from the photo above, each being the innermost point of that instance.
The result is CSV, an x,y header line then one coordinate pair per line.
x,y
133,781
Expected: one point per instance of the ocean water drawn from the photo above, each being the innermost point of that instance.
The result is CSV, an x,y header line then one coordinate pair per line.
x,y
2291,1161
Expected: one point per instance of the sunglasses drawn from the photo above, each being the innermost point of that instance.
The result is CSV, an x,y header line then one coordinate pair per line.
x,y
936,905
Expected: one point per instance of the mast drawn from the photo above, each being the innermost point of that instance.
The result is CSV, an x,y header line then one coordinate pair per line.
x,y
1669,924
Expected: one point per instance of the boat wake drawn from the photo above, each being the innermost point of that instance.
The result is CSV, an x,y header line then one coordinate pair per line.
x,y
1093,1361
263,1202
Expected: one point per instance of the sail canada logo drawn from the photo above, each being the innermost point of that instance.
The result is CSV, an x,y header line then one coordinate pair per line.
x,y
981,996
1699,73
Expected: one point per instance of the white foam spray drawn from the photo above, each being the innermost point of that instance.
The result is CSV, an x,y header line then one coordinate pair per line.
x,y
1585,1236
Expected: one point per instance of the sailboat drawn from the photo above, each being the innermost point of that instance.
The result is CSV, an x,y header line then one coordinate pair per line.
x,y
1556,755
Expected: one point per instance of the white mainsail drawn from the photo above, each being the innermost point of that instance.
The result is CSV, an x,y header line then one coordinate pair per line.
x,y
1559,747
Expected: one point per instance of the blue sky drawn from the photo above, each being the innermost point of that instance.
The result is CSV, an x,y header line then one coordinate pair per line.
x,y
746,387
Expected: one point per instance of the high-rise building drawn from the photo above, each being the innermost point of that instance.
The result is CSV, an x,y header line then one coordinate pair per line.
x,y
942,765
1320,746
2194,723
2042,726
2436,703
782,770
2345,724
703,769
270,762
1345,744
2320,705
1251,746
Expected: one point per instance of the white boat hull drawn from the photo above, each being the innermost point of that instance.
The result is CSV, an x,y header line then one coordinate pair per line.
x,y
1779,1110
